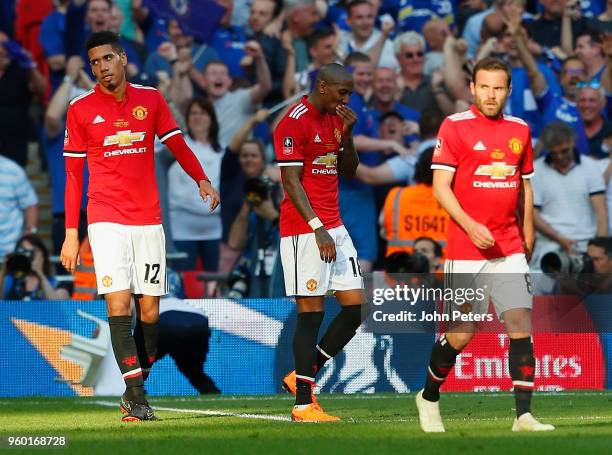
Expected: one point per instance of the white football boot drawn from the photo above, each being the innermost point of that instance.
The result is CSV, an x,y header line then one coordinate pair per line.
x,y
429,415
527,422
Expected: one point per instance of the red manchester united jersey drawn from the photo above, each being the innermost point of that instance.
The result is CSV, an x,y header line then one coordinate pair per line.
x,y
489,158
307,138
117,139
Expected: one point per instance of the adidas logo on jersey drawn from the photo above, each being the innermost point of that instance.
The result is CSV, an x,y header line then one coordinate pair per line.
x,y
479,146
98,119
317,138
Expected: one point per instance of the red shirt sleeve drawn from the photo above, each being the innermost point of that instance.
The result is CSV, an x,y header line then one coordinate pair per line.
x,y
447,150
186,158
165,124
75,136
527,163
74,190
289,142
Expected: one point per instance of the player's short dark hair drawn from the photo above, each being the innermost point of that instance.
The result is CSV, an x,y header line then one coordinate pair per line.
x,y
318,35
492,64
102,39
108,2
430,122
422,170
356,57
354,3
436,245
603,242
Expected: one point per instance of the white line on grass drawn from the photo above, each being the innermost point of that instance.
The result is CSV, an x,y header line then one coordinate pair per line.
x,y
277,418
209,412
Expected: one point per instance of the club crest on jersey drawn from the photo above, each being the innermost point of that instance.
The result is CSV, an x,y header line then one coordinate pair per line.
x,y
516,146
497,154
140,112
311,285
288,146
124,138
438,147
66,136
338,135
107,281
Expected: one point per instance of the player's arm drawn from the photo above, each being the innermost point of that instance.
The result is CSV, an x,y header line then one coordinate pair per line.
x,y
477,232
291,176
348,158
69,255
526,216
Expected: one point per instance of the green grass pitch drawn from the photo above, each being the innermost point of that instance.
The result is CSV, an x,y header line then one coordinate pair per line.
x,y
371,424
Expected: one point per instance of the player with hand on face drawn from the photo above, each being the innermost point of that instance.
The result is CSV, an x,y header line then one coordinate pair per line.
x,y
313,143
482,165
113,126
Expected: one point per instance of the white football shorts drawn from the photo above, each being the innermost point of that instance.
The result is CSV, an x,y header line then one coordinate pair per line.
x,y
307,275
504,281
129,257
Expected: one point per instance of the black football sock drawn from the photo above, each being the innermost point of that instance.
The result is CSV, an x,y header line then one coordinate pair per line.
x,y
442,360
522,369
126,356
145,336
340,332
304,353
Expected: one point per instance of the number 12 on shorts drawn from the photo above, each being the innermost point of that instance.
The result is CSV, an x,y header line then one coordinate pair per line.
x,y
153,270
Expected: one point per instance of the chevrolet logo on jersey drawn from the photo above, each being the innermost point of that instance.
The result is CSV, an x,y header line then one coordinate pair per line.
x,y
497,171
329,160
124,138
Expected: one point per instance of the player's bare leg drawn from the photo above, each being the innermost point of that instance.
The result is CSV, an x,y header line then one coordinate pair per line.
x,y
443,356
133,402
309,319
522,368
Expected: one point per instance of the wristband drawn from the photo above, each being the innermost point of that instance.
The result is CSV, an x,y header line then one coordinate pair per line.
x,y
315,223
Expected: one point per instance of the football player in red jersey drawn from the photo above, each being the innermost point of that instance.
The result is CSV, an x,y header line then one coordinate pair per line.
x,y
313,142
113,126
482,165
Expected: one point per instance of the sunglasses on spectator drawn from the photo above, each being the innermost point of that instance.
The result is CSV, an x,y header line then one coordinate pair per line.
x,y
590,84
414,54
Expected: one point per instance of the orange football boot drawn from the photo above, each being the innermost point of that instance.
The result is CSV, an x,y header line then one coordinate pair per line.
x,y
290,385
311,413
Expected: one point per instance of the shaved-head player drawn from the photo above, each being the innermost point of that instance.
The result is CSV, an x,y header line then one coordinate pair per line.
x,y
313,142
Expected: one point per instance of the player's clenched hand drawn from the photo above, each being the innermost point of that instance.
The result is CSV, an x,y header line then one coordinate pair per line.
x,y
480,236
70,250
327,247
347,116
209,193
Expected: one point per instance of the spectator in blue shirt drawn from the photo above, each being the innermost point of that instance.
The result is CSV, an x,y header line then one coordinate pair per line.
x,y
553,106
51,40
413,14
229,40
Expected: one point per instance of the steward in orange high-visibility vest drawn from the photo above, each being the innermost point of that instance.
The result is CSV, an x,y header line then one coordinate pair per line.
x,y
412,211
85,287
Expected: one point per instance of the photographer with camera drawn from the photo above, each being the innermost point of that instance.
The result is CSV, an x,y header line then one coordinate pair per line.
x,y
255,232
569,196
27,274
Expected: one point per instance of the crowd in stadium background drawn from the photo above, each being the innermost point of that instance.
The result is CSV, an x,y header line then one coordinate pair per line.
x,y
225,66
